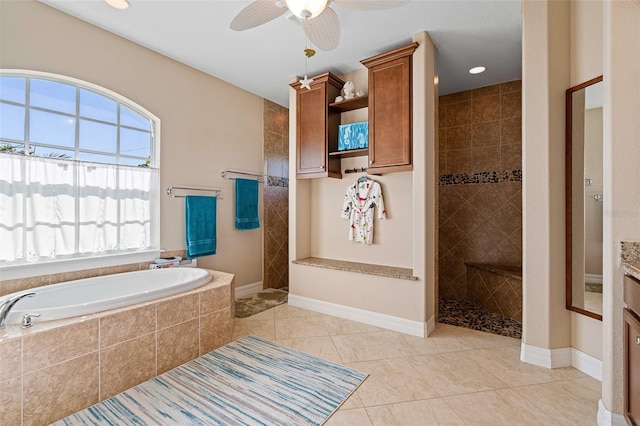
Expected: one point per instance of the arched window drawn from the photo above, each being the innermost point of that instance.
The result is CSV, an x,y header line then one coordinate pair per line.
x,y
78,171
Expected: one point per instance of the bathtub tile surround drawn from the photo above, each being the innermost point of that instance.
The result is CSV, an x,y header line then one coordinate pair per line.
x,y
22,284
65,387
276,195
177,345
126,364
480,192
61,344
72,363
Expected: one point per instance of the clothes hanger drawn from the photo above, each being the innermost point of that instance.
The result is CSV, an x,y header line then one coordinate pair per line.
x,y
362,179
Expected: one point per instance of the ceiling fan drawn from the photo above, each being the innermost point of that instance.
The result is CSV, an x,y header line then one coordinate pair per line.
x,y
319,21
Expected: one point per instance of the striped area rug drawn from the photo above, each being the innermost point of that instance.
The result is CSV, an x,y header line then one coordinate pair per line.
x,y
251,381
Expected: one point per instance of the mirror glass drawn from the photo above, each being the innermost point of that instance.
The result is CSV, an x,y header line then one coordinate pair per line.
x,y
584,198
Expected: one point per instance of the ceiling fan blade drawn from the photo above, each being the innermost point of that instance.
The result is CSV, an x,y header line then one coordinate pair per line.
x,y
371,4
323,30
257,13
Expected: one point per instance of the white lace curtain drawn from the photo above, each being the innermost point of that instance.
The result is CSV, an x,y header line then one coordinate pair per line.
x,y
58,209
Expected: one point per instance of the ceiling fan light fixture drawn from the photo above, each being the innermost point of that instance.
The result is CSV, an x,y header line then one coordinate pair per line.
x,y
118,4
306,9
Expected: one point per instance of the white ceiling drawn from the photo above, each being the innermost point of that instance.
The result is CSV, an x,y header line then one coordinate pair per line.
x,y
263,60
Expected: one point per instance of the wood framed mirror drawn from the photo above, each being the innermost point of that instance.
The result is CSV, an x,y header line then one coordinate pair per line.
x,y
584,198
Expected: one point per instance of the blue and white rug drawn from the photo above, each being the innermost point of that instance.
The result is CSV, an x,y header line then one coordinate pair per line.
x,y
251,381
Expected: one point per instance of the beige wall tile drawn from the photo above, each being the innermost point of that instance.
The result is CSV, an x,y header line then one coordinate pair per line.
x,y
76,275
215,330
215,299
127,325
61,344
10,358
11,402
57,391
21,284
177,345
119,269
127,364
178,310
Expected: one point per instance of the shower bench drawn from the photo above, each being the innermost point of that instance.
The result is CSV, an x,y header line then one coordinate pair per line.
x,y
496,287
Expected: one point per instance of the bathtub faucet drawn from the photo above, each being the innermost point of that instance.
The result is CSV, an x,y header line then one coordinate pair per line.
x,y
6,306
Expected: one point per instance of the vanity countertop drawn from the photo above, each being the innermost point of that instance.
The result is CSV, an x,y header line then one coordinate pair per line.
x,y
630,258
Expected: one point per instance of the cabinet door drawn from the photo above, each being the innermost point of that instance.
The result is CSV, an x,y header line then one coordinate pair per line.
x,y
317,128
390,110
311,130
631,367
390,115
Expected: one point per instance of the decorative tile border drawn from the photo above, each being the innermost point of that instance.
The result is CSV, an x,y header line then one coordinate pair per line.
x,y
481,177
277,181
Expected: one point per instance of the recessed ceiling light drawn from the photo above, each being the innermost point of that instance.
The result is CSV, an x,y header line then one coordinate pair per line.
x,y
118,4
477,70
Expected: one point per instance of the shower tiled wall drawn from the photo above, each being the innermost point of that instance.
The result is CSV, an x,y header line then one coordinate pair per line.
x,y
276,196
480,196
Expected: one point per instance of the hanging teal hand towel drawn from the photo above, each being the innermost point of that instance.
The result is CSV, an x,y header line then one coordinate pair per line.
x,y
247,204
200,215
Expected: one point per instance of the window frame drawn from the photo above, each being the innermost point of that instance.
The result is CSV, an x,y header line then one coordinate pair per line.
x,y
98,261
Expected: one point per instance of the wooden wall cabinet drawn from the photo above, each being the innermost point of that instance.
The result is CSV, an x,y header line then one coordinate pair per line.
x,y
631,317
317,128
390,110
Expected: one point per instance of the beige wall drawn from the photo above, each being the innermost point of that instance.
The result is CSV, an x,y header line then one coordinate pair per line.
x,y
586,26
405,239
621,176
544,85
545,69
207,124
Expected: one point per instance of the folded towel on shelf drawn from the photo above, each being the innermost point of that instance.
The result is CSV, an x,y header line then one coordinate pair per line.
x,y
200,224
247,204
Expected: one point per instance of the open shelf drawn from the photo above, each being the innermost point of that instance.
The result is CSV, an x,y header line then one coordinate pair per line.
x,y
350,104
350,153
362,268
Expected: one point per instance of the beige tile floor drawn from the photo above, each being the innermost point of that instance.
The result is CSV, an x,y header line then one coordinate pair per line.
x,y
455,377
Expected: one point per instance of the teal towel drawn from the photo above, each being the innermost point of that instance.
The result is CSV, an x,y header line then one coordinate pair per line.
x,y
200,221
247,204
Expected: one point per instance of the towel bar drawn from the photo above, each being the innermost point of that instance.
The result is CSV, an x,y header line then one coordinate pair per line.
x,y
170,193
256,176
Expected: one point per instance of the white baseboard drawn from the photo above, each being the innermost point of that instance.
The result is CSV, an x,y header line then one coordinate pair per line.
x,y
248,290
608,418
593,278
414,328
548,358
586,363
563,357
430,325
